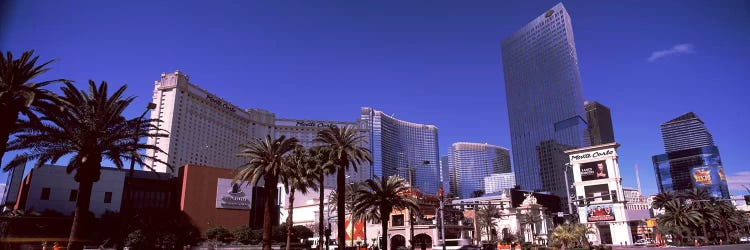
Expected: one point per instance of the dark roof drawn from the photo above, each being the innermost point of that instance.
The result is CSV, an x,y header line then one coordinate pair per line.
x,y
684,117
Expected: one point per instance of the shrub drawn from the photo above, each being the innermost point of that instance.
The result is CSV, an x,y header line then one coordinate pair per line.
x,y
137,240
246,235
217,233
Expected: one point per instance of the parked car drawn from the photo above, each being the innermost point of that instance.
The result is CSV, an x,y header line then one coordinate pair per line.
x,y
745,239
644,242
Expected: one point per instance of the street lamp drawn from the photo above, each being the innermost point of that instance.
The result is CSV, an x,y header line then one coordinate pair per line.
x,y
567,186
411,185
149,106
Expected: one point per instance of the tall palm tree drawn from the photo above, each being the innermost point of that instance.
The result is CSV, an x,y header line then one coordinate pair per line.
x,y
486,216
662,198
384,195
322,165
528,222
565,235
298,176
678,216
18,94
90,127
345,151
267,163
703,203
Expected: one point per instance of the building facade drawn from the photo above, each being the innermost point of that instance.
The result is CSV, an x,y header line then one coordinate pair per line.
x,y
545,103
691,159
203,128
472,162
498,182
445,175
599,120
685,132
51,188
403,148
307,130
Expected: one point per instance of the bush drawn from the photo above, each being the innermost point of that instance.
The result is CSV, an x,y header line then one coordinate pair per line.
x,y
246,235
217,233
137,240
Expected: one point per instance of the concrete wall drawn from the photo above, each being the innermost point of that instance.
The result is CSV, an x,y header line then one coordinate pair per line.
x,y
198,199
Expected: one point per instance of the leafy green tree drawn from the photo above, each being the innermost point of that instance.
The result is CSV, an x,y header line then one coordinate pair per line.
x,y
297,176
322,165
486,216
565,235
266,163
384,195
18,93
346,150
89,125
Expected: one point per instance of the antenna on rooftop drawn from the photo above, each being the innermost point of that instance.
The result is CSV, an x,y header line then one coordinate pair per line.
x,y
638,178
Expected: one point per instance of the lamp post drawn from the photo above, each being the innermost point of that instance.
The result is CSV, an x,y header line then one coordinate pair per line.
x,y
149,106
442,218
411,185
567,187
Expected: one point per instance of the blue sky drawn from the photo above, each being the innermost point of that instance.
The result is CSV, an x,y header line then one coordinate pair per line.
x,y
435,62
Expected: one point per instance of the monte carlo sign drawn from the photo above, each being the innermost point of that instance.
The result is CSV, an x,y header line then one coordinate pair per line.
x,y
591,156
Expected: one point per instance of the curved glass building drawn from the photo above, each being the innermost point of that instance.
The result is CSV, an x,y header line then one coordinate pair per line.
x,y
472,162
403,148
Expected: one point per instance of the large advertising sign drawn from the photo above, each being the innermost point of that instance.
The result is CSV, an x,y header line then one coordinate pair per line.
x,y
232,196
603,212
711,178
701,177
594,171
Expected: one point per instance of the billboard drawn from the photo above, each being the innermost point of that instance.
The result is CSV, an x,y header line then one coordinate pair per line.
x,y
594,171
701,177
232,196
603,212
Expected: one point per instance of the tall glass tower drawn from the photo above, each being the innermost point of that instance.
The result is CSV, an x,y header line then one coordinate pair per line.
x,y
472,162
403,148
545,104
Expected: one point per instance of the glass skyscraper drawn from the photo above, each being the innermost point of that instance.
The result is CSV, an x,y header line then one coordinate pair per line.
x,y
599,123
399,147
691,159
472,162
545,103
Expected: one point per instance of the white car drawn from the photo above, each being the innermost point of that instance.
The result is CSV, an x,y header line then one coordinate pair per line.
x,y
745,239
644,242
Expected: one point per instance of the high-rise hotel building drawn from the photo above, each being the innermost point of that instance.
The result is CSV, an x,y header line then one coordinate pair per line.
x,y
472,162
307,130
691,159
545,103
204,129
403,148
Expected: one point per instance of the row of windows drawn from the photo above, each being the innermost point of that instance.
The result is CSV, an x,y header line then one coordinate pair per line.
x,y
73,196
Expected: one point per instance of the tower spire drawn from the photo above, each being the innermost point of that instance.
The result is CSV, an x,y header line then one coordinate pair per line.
x,y
638,178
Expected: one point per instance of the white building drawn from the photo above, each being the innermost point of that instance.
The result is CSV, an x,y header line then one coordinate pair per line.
x,y
499,182
50,188
203,129
609,209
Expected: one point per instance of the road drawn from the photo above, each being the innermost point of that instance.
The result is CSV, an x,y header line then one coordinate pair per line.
x,y
725,247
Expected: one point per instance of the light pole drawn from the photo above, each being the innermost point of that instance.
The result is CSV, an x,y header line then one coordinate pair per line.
x,y
567,187
442,219
149,106
411,216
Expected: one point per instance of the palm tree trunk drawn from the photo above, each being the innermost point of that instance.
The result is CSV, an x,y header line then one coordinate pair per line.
x,y
340,192
289,220
270,186
321,226
6,128
81,217
385,216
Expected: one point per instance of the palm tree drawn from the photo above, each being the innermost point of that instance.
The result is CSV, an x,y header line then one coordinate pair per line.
x,y
565,234
345,151
528,222
703,203
662,198
300,176
485,218
679,216
18,94
384,195
267,163
90,127
320,161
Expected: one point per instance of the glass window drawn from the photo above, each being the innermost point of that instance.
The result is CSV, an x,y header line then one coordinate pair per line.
x,y
107,197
